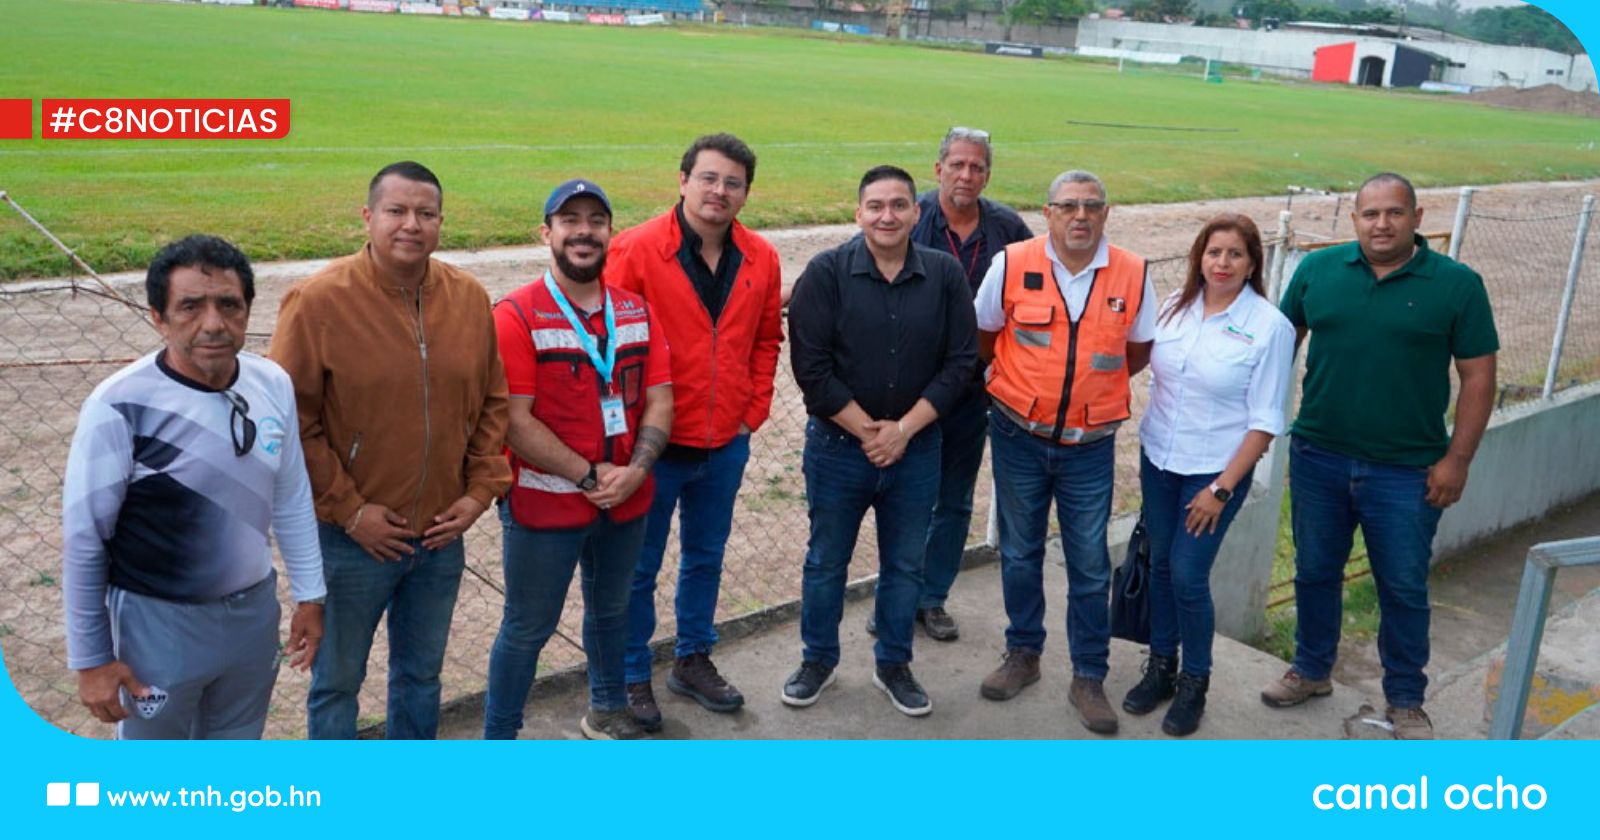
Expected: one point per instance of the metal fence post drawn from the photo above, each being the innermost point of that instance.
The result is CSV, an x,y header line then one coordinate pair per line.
x,y
1459,229
1573,268
1280,251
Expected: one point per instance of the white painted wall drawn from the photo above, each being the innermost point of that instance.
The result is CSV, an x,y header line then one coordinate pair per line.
x,y
1294,52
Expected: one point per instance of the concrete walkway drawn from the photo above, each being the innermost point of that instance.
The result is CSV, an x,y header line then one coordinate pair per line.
x,y
1474,594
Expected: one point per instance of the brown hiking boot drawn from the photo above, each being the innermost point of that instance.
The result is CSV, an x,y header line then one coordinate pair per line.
x,y
1292,689
694,676
642,703
1411,724
941,626
1089,698
1020,670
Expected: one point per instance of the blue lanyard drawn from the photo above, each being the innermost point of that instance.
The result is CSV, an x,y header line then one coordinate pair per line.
x,y
601,366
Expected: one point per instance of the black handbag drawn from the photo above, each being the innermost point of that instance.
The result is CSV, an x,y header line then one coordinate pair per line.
x,y
1130,590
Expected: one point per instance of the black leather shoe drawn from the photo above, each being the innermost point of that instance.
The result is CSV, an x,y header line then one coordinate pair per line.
x,y
1183,717
642,703
1156,687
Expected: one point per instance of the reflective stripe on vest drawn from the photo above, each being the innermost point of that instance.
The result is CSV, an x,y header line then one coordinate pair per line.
x,y
567,400
1062,379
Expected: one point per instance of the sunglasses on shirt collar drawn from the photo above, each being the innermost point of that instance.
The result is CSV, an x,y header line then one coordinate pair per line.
x,y
240,426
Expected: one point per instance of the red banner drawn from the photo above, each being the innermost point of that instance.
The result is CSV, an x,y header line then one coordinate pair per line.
x,y
318,4
16,119
165,119
609,20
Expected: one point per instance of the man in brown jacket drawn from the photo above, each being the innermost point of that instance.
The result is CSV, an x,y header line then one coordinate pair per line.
x,y
402,405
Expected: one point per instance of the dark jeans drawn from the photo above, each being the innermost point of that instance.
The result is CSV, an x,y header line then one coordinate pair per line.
x,y
1330,494
538,569
705,492
840,485
1181,611
418,592
961,454
1030,472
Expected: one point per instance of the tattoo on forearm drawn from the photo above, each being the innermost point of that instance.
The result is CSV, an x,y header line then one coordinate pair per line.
x,y
648,448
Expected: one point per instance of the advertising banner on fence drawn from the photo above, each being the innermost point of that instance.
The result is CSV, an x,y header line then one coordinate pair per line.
x,y
317,4
421,9
381,6
560,17
646,20
1021,50
503,13
608,20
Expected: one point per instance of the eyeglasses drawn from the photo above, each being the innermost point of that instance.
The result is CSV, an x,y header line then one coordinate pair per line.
x,y
240,426
1071,207
961,132
709,180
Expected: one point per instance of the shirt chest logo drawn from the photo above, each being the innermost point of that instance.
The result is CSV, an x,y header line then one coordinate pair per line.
x,y
1117,304
272,434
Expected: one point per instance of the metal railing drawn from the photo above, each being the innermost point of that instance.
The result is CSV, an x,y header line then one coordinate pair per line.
x,y
1527,628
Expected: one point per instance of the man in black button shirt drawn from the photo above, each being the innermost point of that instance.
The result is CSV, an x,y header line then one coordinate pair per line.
x,y
956,218
883,342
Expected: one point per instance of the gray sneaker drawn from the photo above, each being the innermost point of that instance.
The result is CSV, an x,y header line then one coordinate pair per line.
x,y
1292,689
618,725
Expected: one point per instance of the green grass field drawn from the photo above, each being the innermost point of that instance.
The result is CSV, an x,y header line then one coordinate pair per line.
x,y
503,110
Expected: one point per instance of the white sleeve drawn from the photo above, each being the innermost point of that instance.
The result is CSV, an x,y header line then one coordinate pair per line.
x,y
1144,323
294,520
1269,381
990,301
99,468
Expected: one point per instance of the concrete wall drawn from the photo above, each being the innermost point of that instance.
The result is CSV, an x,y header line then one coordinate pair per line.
x,y
1533,458
1485,65
976,27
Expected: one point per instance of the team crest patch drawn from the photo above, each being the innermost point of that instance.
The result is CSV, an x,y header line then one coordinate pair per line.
x,y
272,433
1117,304
149,705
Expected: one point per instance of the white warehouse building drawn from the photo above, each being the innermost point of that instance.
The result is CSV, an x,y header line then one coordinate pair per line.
x,y
1294,53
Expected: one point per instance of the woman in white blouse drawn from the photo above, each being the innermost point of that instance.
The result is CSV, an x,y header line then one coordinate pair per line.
x,y
1220,370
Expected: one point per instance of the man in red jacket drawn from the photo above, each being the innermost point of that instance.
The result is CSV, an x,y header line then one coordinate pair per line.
x,y
714,287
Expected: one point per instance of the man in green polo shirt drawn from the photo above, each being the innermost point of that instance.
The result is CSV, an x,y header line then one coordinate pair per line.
x,y
1369,447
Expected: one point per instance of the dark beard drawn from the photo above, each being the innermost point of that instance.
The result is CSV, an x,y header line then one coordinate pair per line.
x,y
579,274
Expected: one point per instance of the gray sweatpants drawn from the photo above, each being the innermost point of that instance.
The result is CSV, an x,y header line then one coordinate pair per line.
x,y
216,662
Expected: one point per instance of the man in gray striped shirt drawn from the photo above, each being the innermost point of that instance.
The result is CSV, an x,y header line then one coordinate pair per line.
x,y
181,463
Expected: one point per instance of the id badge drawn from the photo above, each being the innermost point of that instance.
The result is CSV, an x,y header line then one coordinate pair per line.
x,y
611,412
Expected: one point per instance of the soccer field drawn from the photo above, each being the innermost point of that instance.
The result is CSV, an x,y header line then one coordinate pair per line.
x,y
503,110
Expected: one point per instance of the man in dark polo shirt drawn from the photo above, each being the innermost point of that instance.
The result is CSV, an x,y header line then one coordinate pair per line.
x,y
1369,447
883,342
957,219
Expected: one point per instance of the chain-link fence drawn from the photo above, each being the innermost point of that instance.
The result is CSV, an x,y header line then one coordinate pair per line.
x,y
58,340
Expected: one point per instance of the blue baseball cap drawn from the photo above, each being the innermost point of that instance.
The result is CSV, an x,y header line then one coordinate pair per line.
x,y
569,190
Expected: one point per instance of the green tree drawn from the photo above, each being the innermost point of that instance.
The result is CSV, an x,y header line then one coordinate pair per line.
x,y
1158,11
1523,26
1047,11
1255,10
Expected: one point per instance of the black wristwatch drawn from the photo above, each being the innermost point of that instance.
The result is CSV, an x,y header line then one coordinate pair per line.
x,y
1223,494
590,481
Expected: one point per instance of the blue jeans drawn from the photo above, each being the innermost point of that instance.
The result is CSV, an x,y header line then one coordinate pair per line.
x,y
705,490
960,456
1029,472
538,569
840,485
1330,494
1181,611
419,593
